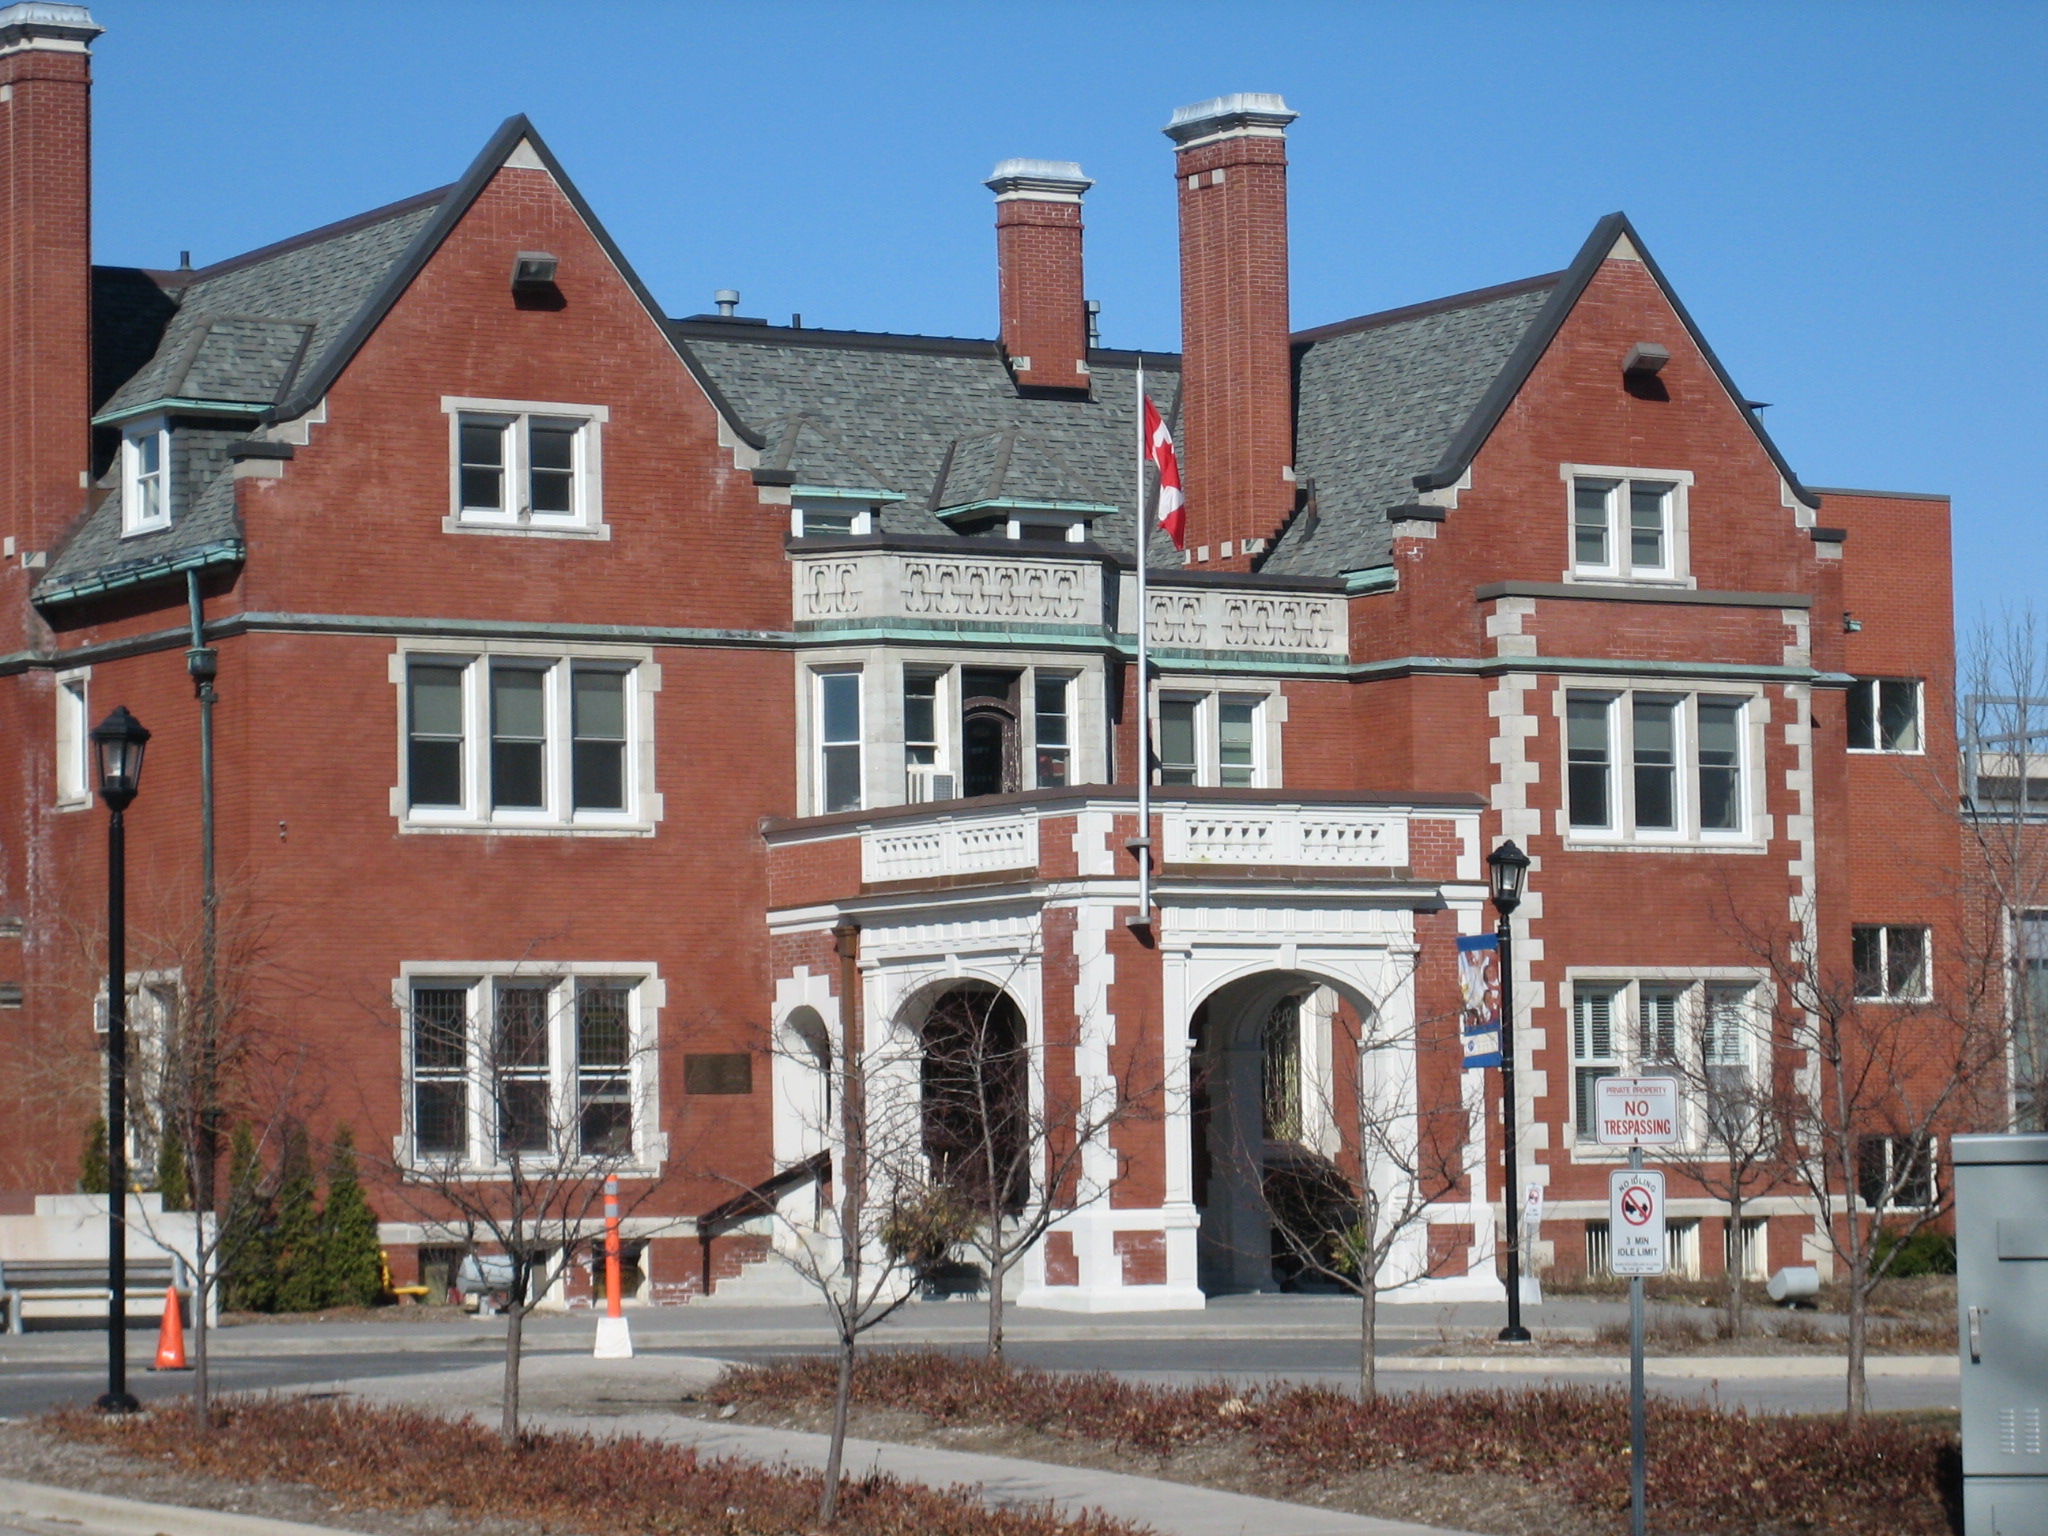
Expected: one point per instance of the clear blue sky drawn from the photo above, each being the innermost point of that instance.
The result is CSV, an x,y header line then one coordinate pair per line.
x,y
1850,197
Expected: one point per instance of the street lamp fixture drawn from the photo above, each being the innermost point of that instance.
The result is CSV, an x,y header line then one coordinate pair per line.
x,y
1508,871
117,744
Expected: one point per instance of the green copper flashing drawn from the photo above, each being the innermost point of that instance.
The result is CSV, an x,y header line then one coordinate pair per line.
x,y
843,493
175,403
223,552
1377,578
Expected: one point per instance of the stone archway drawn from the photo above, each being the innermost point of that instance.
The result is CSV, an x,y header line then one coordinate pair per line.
x,y
1261,1119
974,1093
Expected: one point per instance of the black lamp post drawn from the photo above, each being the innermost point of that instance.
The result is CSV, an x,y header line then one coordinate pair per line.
x,y
117,744
1508,867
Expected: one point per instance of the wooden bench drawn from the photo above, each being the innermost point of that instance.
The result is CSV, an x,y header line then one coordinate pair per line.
x,y
76,1280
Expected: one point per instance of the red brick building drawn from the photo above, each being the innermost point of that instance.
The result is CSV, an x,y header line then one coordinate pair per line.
x,y
581,667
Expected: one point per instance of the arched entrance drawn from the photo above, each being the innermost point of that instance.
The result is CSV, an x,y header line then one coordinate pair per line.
x,y
975,1095
1263,1125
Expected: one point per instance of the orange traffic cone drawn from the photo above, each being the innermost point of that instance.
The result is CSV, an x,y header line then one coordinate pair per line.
x,y
170,1338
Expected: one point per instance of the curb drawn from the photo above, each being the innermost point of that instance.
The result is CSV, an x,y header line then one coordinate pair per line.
x,y
1686,1367
103,1515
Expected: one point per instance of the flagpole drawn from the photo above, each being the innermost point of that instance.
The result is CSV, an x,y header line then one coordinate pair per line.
x,y
1142,844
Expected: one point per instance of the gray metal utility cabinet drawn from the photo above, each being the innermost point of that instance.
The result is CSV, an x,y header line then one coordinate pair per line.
x,y
2002,1316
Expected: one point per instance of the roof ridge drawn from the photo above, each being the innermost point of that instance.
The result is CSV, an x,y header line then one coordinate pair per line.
x,y
183,277
1429,307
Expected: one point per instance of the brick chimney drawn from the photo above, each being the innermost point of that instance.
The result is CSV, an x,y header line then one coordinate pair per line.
x,y
46,256
1237,405
1038,250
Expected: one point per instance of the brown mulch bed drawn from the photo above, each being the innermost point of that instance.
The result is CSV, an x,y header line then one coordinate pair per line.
x,y
33,1452
367,1459
1550,1461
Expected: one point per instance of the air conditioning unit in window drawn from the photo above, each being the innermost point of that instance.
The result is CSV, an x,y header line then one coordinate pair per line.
x,y
924,784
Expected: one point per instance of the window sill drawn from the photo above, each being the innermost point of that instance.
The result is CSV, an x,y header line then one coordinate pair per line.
x,y
1609,579
459,524
408,826
82,803
139,529
1886,751
413,1171
1611,843
1895,1002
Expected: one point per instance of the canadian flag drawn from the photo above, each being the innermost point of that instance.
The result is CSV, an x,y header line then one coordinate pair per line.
x,y
1173,516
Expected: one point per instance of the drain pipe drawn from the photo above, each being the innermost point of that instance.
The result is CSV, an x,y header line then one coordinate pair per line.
x,y
203,663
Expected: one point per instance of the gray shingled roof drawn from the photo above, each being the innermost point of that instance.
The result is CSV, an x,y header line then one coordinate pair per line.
x,y
242,332
1376,402
941,424
938,422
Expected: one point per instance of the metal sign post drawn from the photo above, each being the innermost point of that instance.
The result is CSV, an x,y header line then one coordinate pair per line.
x,y
1634,1112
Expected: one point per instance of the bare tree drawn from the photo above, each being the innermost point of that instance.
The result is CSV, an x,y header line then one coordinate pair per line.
x,y
523,1103
1887,1065
1354,1219
1016,1143
2002,795
206,1049
1722,1059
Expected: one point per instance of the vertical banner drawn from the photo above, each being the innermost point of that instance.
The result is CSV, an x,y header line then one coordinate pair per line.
x,y
1479,989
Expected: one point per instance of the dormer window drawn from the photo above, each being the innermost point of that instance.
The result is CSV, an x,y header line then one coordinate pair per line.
x,y
145,481
1057,522
832,519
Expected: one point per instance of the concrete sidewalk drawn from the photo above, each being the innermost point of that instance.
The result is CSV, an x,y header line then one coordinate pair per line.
x,y
638,1397
34,1509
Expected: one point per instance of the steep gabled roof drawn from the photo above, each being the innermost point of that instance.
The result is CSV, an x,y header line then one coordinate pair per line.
x,y
1376,400
260,338
1607,234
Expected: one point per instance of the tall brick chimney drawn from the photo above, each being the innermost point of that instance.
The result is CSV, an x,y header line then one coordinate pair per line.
x,y
46,259
1038,250
1237,408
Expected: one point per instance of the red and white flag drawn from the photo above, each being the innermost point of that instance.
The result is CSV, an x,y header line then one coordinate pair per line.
x,y
1173,515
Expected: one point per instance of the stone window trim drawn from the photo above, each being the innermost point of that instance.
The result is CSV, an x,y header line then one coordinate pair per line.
x,y
585,517
481,979
1269,716
1640,1034
1676,567
145,477
74,777
643,809
1621,831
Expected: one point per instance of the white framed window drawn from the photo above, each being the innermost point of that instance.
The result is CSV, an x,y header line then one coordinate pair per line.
x,y
1703,1030
1626,524
1896,1172
837,709
531,467
824,519
1650,766
1217,740
507,1063
1891,963
73,740
1052,730
1885,715
145,480
155,1014
526,739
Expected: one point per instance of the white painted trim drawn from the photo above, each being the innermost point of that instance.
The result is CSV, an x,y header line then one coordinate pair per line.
x,y
1676,572
585,521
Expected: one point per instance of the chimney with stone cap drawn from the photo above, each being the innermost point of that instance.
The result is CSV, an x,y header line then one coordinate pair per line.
x,y
1038,250
46,256
1237,393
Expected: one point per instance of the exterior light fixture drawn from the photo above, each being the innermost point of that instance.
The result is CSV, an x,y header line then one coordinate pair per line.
x,y
117,744
533,270
1508,868
1646,358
